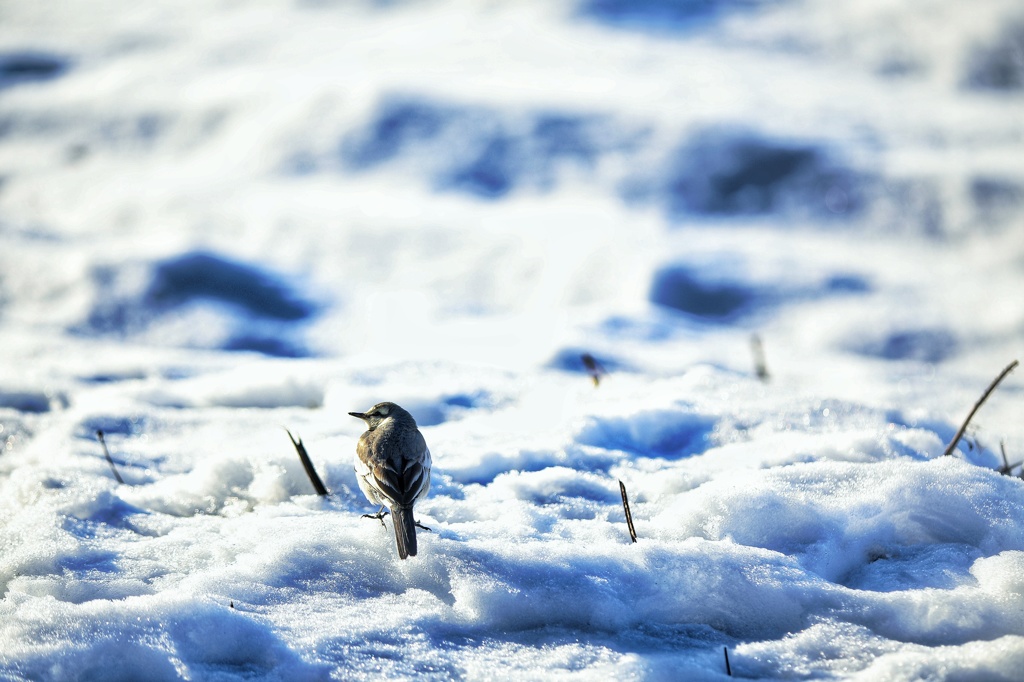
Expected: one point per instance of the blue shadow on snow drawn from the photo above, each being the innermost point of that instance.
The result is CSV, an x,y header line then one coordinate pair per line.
x,y
662,16
923,345
679,288
664,434
27,66
721,171
571,360
476,150
999,65
201,275
262,309
724,299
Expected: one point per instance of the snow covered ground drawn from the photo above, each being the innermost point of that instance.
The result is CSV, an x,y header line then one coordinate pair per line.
x,y
222,219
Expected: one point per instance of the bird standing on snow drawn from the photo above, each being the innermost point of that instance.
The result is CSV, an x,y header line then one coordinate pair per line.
x,y
393,468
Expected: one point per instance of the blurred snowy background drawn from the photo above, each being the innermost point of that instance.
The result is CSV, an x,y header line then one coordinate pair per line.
x,y
219,219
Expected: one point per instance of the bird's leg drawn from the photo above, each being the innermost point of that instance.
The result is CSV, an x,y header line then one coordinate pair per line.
x,y
420,525
379,515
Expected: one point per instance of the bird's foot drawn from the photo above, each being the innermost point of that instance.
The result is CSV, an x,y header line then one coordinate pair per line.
x,y
420,525
379,516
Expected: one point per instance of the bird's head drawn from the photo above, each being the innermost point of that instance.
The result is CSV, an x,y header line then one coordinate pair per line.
x,y
381,412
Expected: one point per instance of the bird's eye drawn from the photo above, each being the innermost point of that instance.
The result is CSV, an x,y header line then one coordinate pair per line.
x,y
382,411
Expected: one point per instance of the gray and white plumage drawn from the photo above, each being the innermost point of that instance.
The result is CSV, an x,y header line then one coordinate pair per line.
x,y
393,467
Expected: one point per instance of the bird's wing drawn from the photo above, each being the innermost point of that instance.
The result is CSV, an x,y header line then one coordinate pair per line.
x,y
416,476
386,480
400,487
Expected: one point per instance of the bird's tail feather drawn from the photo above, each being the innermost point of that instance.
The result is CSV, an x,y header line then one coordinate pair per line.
x,y
405,531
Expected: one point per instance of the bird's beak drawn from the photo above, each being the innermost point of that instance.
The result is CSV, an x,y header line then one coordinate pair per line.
x,y
358,415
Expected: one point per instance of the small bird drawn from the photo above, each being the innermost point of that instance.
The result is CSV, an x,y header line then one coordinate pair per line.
x,y
393,469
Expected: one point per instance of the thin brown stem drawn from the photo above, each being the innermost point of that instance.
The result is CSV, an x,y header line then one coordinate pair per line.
x,y
760,364
314,478
106,453
984,396
1007,467
629,514
594,368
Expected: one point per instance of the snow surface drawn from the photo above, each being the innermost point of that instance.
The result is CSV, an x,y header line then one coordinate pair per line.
x,y
222,219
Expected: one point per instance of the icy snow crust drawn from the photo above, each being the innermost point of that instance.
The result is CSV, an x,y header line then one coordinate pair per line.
x,y
220,220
